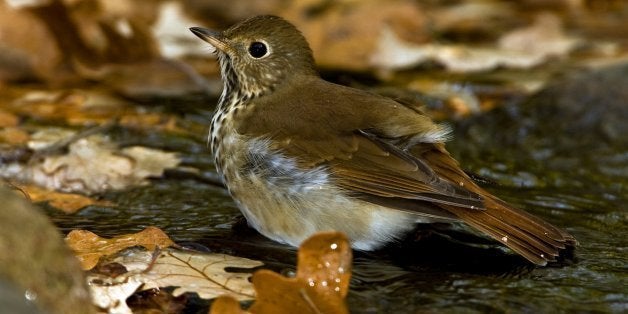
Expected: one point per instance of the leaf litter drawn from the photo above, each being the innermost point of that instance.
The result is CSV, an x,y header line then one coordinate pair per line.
x,y
149,261
91,165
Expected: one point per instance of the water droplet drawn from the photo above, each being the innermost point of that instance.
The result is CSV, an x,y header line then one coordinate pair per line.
x,y
337,289
30,295
341,270
334,246
327,264
505,238
311,282
337,280
324,283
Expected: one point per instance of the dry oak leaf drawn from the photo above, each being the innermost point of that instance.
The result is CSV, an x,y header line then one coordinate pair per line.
x,y
89,247
226,305
187,271
202,273
320,286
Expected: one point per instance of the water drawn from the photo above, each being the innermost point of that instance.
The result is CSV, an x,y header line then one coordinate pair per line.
x,y
432,276
580,188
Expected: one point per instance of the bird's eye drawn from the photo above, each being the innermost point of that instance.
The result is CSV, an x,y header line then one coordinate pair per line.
x,y
258,50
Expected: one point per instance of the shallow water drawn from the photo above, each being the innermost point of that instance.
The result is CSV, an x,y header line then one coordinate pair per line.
x,y
438,275
446,270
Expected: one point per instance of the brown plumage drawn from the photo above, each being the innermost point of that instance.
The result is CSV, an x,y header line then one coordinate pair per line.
x,y
302,155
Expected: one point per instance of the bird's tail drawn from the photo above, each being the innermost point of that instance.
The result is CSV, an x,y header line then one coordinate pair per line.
x,y
531,237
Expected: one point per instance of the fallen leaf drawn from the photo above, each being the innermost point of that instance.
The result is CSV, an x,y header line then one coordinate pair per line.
x,y
394,54
25,59
89,247
470,16
201,273
343,34
515,50
89,107
156,301
226,305
7,119
75,107
187,271
320,286
13,136
110,294
92,164
69,203
544,38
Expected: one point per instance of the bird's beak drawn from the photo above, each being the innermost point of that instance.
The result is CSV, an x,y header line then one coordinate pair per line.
x,y
214,38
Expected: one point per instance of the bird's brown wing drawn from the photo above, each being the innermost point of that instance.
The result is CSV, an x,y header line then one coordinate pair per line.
x,y
428,181
358,141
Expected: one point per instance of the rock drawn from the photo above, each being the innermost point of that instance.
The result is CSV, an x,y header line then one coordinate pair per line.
x,y
35,263
575,127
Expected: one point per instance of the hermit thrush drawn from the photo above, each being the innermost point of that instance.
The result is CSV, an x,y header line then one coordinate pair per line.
x,y
300,154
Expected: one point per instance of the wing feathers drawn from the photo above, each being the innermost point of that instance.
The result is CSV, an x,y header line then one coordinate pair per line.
x,y
363,140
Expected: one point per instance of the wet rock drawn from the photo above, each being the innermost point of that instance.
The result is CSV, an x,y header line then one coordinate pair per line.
x,y
589,109
36,266
575,127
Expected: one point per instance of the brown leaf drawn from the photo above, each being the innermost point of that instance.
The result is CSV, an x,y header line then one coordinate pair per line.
x,y
94,164
89,107
20,58
545,38
345,34
13,136
89,247
321,283
226,305
69,203
7,119
157,301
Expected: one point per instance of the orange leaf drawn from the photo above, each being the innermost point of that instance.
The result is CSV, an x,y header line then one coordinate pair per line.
x,y
69,203
8,119
325,263
226,305
13,136
89,247
321,283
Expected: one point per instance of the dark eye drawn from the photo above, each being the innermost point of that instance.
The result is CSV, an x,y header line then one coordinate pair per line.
x,y
258,49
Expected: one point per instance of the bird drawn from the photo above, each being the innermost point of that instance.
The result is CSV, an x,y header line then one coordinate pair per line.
x,y
299,154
